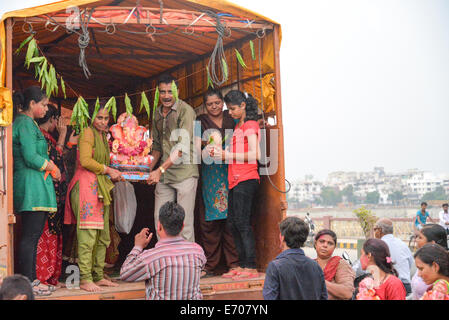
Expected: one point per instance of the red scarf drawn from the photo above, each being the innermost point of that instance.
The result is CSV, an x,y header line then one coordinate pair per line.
x,y
331,268
49,137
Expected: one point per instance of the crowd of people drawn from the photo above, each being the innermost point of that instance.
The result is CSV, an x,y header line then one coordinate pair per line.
x,y
62,193
63,183
386,263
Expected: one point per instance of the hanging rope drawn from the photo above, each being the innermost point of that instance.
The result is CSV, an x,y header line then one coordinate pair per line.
x,y
83,42
263,117
161,11
218,53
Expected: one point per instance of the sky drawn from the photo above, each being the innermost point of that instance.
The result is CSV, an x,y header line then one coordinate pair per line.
x,y
364,83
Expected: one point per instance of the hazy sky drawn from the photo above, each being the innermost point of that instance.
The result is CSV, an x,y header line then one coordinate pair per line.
x,y
364,83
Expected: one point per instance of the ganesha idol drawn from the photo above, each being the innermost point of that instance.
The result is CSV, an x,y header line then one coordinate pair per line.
x,y
129,148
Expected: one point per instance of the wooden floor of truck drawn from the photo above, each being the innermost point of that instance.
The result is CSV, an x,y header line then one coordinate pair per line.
x,y
213,288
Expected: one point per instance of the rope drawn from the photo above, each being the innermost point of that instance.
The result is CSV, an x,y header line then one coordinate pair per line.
x,y
83,42
263,117
218,53
161,12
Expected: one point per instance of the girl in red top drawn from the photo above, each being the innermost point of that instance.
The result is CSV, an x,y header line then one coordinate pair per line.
x,y
243,178
376,258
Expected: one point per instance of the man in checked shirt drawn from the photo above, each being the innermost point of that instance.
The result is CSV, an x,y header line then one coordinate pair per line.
x,y
172,269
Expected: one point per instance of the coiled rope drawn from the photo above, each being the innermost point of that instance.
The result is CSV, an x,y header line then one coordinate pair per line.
x,y
218,53
83,42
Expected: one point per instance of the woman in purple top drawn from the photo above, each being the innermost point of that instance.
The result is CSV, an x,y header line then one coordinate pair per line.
x,y
431,233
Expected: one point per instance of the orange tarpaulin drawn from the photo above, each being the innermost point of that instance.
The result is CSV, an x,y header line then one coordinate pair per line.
x,y
220,5
192,81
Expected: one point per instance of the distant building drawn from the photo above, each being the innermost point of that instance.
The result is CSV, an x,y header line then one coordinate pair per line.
x,y
412,183
423,182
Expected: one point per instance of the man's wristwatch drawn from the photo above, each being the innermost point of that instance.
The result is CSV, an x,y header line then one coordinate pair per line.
x,y
162,169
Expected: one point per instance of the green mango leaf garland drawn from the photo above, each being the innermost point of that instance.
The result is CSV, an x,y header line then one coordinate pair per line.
x,y
129,108
144,103
97,108
225,68
156,100
112,105
63,88
253,53
174,90
209,79
24,42
240,59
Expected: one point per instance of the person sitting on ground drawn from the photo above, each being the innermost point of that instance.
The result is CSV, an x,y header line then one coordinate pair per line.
x,y
292,275
430,233
377,260
401,256
432,262
16,287
338,274
172,269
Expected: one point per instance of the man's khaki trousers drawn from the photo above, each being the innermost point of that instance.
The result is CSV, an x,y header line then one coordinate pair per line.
x,y
184,193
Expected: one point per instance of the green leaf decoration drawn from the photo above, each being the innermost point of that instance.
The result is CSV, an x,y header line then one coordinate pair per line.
x,y
85,107
24,42
174,90
112,105
225,68
108,104
97,108
53,81
156,100
37,70
114,108
46,78
129,107
63,88
240,59
80,114
37,59
209,79
253,53
145,103
74,113
30,52
43,69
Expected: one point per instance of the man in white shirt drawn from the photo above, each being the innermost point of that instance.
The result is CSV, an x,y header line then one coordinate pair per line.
x,y
444,217
400,254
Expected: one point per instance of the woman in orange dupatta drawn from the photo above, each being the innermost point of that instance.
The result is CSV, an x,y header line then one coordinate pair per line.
x,y
338,274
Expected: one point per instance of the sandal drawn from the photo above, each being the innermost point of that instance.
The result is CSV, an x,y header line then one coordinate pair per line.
x,y
231,273
50,287
41,292
38,291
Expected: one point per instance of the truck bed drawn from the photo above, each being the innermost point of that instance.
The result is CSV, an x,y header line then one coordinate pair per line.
x,y
213,288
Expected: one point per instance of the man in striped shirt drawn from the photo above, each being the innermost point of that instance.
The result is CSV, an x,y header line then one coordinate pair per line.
x,y
172,269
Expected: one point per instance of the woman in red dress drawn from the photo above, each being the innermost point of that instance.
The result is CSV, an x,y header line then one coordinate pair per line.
x,y
376,259
49,249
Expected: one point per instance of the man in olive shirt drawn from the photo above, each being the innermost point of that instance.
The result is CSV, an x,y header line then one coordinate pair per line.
x,y
176,178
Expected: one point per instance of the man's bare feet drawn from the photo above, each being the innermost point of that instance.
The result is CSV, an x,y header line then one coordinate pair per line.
x,y
106,283
89,286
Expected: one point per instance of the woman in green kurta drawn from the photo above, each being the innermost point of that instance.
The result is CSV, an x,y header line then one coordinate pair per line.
x,y
88,202
34,193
